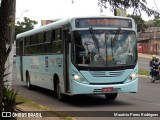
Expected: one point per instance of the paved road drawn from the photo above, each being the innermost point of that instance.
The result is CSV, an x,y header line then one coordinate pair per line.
x,y
147,99
143,63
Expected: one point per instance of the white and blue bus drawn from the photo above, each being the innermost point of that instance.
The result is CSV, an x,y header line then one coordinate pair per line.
x,y
80,55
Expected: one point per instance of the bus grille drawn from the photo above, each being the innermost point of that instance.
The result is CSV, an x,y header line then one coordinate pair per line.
x,y
106,74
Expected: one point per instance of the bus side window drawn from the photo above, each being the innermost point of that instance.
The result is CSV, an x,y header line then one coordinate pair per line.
x,y
57,46
48,36
33,39
26,44
57,43
47,44
17,47
58,34
39,47
27,41
53,35
41,37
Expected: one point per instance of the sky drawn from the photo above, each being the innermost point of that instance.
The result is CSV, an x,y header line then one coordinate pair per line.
x,y
54,9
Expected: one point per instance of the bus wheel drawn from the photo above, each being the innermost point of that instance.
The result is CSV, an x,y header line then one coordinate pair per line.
x,y
59,94
111,96
29,86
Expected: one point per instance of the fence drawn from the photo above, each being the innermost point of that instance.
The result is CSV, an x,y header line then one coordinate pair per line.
x,y
147,48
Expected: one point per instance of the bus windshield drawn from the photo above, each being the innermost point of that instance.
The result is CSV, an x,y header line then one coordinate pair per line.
x,y
109,50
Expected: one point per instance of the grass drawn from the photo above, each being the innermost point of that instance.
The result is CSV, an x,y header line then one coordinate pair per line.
x,y
34,105
29,102
143,72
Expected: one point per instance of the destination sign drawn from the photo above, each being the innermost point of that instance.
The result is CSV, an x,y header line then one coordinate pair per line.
x,y
103,22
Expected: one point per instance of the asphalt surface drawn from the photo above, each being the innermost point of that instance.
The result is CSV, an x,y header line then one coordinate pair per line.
x,y
143,63
147,99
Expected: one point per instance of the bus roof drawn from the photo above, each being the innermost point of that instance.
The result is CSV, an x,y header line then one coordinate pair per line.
x,y
61,22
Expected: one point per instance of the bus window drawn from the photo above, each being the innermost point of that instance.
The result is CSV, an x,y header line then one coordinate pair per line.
x,y
33,39
29,50
27,41
58,35
39,49
53,35
57,46
41,37
17,47
48,36
47,47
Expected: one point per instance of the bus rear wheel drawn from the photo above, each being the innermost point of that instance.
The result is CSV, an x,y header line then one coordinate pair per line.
x,y
59,94
29,86
111,96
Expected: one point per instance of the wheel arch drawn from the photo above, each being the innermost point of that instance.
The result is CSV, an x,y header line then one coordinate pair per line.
x,y
55,80
27,73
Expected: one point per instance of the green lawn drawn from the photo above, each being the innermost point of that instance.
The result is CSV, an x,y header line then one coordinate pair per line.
x,y
143,72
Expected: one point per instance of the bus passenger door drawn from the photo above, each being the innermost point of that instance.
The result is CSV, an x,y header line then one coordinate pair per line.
x,y
66,61
21,59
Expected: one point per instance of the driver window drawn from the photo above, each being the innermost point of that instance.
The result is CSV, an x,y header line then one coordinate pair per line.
x,y
78,48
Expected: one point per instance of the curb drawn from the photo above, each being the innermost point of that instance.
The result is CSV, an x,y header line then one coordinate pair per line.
x,y
143,76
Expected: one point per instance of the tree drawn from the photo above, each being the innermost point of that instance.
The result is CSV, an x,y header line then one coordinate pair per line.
x,y
141,26
156,21
26,25
7,12
149,23
137,5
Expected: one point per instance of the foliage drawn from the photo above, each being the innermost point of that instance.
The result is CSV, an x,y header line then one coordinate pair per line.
x,y
141,26
156,21
149,23
137,5
9,102
26,25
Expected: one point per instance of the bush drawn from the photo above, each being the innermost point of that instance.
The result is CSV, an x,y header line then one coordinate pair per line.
x,y
9,101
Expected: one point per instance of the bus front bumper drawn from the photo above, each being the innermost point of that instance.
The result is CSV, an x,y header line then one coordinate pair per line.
x,y
80,88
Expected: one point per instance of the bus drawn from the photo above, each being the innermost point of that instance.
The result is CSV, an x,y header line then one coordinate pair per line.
x,y
80,55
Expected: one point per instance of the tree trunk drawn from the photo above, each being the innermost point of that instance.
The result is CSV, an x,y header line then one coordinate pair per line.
x,y
6,16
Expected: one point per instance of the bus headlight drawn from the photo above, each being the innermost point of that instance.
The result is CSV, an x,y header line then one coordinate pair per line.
x,y
133,76
79,78
76,77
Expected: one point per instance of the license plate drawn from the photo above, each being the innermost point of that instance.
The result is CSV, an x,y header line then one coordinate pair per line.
x,y
110,89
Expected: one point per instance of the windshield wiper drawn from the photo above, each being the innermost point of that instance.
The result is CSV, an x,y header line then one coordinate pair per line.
x,y
95,40
114,40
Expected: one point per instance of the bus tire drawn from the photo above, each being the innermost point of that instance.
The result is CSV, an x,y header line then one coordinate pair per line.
x,y
60,96
111,96
28,83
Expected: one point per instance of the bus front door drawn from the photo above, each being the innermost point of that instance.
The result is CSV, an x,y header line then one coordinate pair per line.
x,y
66,61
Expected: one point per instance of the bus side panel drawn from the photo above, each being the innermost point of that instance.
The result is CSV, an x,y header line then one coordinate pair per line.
x,y
27,66
42,70
54,67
